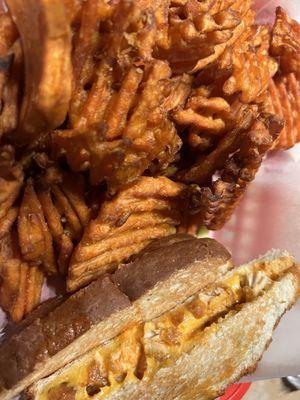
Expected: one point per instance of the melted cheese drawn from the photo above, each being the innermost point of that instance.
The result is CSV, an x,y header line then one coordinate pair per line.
x,y
141,350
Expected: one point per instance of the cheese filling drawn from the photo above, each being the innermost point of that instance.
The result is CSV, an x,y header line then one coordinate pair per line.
x,y
140,351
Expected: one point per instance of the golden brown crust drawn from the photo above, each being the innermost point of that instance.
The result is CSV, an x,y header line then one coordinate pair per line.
x,y
174,253
47,335
251,369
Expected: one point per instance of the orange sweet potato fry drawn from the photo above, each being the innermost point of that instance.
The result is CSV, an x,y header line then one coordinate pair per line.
x,y
199,32
66,212
285,42
21,284
44,33
34,284
118,148
285,101
35,240
217,200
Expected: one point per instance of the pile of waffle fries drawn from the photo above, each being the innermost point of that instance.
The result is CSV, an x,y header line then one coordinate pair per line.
x,y
124,121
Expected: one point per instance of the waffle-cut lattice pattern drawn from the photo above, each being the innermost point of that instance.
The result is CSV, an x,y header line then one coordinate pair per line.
x,y
284,101
286,42
198,32
21,287
202,170
52,216
244,69
220,198
118,147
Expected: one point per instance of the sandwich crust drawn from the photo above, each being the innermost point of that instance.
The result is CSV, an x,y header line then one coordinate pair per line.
x,y
158,261
44,337
167,268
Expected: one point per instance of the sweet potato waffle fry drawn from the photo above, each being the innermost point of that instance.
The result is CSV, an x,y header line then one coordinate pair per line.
x,y
143,211
285,88
62,239
244,68
87,42
206,116
46,41
284,101
62,199
199,32
21,284
129,139
51,218
112,37
241,75
252,66
218,200
203,169
286,42
220,114
34,237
